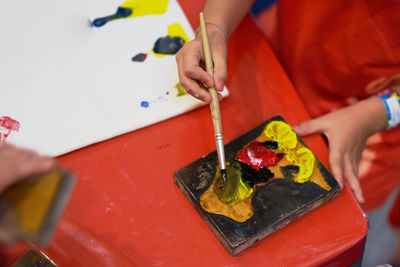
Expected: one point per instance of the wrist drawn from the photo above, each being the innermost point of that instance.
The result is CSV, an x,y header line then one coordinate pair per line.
x,y
373,112
213,29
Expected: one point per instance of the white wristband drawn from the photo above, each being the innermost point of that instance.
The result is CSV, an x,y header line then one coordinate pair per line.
x,y
392,104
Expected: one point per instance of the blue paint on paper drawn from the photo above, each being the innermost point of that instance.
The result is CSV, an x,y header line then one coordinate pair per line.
x,y
146,104
122,12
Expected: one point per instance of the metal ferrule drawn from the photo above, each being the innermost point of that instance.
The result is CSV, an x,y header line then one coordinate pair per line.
x,y
220,150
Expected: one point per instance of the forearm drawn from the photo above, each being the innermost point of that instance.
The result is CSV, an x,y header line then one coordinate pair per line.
x,y
227,13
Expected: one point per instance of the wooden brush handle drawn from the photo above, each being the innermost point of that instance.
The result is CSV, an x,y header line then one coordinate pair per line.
x,y
214,105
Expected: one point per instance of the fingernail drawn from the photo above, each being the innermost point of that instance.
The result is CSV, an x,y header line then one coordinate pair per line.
x,y
196,95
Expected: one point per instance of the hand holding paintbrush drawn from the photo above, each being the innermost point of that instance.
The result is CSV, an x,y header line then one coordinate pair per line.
x,y
214,105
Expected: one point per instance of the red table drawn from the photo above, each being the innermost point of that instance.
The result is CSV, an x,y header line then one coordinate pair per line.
x,y
127,211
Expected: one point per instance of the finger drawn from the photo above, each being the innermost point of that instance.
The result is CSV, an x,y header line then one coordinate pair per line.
x,y
33,166
30,162
375,86
197,73
191,66
42,164
352,178
308,127
220,73
336,163
192,87
382,83
220,97
204,93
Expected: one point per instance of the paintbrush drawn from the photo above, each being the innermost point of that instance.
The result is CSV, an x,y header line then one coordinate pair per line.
x,y
214,105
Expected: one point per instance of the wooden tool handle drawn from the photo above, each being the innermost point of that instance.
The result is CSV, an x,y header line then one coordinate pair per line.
x,y
214,106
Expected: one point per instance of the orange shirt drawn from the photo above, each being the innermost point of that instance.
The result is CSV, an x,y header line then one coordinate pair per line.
x,y
331,51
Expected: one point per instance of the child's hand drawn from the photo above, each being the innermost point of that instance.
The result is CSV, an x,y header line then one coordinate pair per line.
x,y
347,131
191,58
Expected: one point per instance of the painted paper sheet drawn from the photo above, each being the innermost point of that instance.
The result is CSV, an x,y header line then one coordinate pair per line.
x,y
65,83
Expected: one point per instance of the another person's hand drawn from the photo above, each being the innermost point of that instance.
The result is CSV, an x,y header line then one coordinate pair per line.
x,y
190,62
347,131
18,163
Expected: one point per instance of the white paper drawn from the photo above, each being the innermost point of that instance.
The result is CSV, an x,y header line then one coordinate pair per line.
x,y
70,85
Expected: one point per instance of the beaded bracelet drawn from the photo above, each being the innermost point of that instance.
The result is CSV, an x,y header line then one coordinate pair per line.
x,y
391,99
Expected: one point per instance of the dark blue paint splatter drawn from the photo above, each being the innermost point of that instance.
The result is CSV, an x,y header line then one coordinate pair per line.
x,y
168,45
122,12
140,57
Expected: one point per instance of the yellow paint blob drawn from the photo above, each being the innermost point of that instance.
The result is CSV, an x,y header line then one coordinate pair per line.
x,y
146,7
233,200
281,133
240,212
176,30
304,158
180,89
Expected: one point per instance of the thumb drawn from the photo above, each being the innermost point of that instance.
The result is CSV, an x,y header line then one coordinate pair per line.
x,y
308,127
377,85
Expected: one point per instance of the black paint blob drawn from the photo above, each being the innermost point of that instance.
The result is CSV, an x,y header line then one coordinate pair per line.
x,y
270,144
289,171
253,177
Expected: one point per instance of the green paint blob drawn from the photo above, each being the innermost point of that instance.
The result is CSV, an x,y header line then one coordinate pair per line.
x,y
234,190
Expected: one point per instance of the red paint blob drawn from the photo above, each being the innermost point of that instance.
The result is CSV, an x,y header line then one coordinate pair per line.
x,y
257,155
6,126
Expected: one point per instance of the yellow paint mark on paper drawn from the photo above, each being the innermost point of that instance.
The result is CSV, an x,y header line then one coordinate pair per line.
x,y
181,90
146,7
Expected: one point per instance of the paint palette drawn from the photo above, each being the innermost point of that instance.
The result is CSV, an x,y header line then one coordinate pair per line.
x,y
33,258
273,179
